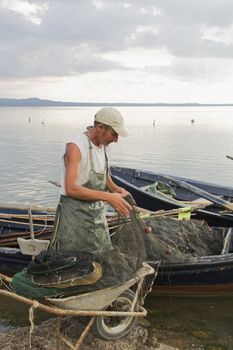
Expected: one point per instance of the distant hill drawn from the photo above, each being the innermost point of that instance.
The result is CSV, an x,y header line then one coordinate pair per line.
x,y
14,102
37,102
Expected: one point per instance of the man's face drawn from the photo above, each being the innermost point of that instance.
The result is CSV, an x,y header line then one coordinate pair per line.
x,y
107,135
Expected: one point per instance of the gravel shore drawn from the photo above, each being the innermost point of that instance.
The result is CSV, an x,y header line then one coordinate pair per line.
x,y
142,337
44,338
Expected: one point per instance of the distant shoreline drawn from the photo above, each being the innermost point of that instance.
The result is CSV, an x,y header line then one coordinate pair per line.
x,y
36,102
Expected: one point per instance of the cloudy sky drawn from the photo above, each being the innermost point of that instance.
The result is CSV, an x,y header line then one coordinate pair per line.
x,y
117,50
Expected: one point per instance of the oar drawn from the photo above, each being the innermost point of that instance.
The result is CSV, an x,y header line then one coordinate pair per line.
x,y
201,192
54,183
5,278
25,207
38,217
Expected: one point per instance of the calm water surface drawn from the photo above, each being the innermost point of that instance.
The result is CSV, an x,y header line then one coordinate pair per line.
x,y
30,154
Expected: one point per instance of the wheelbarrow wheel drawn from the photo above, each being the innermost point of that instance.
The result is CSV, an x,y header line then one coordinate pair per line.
x,y
111,328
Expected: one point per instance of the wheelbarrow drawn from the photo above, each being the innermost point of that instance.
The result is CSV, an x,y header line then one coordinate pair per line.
x,y
113,311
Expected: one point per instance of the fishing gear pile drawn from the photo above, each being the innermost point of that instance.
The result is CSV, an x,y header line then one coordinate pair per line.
x,y
134,240
62,274
179,241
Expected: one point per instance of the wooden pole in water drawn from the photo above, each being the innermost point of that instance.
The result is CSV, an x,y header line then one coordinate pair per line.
x,y
230,157
31,223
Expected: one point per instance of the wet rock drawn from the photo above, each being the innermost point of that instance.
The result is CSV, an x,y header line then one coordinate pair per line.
x,y
166,347
215,347
144,322
205,335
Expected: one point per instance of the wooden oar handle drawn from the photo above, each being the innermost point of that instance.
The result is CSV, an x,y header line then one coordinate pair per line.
x,y
5,278
200,192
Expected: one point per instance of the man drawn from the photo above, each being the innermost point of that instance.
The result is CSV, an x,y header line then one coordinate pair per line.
x,y
81,216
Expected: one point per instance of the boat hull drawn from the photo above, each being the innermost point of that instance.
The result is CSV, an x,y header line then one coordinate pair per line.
x,y
208,290
208,276
133,181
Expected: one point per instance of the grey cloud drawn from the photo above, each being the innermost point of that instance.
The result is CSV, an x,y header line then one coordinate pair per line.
x,y
190,69
181,26
210,12
74,34
103,30
52,63
70,39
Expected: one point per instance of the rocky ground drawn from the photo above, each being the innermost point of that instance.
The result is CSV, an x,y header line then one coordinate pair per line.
x,y
141,337
44,338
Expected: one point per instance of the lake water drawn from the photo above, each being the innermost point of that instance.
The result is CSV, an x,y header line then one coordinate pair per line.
x,y
30,154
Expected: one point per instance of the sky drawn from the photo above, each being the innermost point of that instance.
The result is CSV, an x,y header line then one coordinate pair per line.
x,y
117,50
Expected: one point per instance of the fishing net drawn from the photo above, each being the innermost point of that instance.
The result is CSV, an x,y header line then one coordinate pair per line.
x,y
169,240
177,241
64,269
117,265
22,285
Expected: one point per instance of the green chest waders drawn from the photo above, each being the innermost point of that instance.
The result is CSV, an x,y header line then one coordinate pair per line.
x,y
82,225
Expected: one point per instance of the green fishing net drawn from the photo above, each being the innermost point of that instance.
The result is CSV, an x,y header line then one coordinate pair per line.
x,y
23,285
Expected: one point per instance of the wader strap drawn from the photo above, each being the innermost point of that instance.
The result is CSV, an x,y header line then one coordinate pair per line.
x,y
53,240
106,162
106,168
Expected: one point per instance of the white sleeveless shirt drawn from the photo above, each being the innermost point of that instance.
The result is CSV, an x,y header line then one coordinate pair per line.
x,y
98,160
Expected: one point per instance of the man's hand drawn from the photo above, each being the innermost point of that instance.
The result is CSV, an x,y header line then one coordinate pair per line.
x,y
122,191
117,201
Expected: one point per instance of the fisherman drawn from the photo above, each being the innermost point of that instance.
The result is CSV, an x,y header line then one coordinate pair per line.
x,y
80,222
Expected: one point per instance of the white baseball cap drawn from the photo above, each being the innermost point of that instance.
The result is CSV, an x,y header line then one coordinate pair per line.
x,y
113,118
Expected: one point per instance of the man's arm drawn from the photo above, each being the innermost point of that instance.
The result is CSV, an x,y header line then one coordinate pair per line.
x,y
72,160
112,187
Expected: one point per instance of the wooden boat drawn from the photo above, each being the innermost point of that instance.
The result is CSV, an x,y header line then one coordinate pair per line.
x,y
154,191
10,213
15,223
12,260
208,275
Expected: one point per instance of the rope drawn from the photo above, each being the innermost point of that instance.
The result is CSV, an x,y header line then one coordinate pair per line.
x,y
31,319
149,286
53,240
46,221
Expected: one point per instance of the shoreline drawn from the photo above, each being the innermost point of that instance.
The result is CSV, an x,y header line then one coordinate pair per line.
x,y
44,338
141,337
